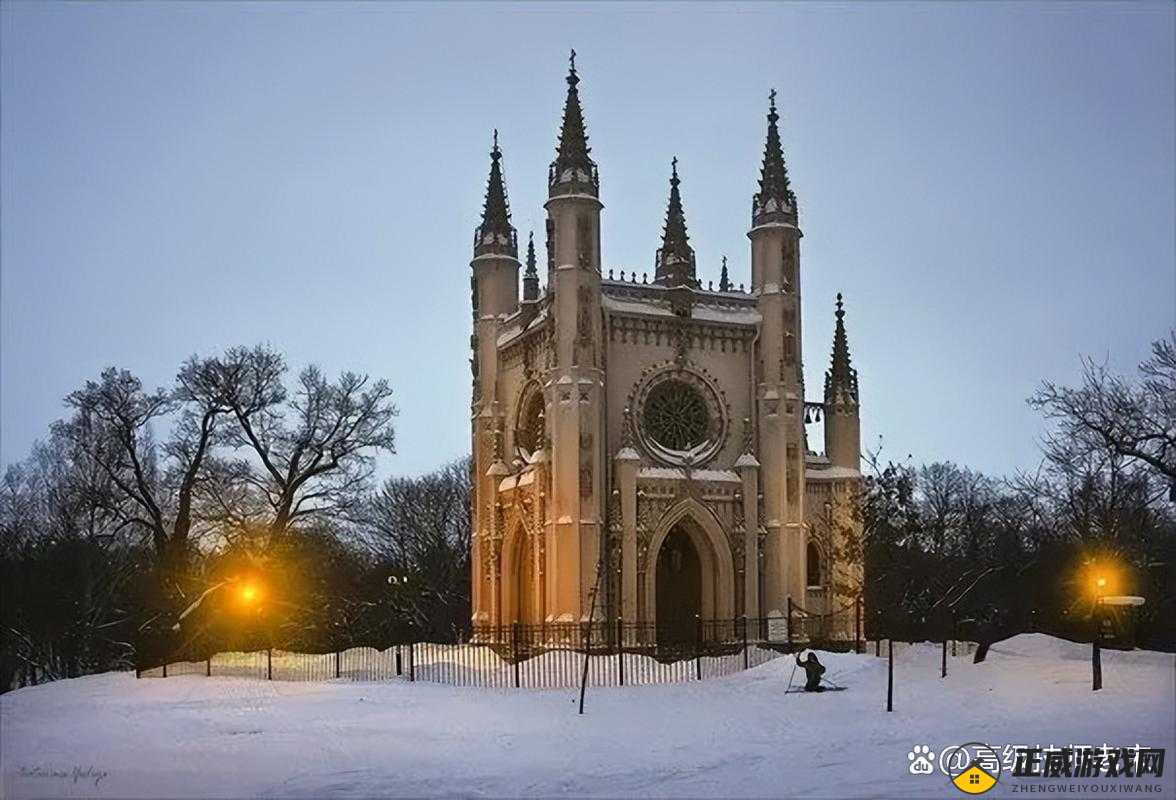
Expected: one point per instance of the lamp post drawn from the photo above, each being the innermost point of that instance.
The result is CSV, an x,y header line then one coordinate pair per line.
x,y
1100,585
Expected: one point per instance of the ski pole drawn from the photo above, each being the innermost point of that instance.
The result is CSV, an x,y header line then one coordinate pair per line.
x,y
790,677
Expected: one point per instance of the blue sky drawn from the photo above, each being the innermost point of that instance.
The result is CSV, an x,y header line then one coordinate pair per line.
x,y
990,185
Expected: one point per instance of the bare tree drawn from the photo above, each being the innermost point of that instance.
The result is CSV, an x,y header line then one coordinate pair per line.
x,y
419,529
1108,412
155,484
65,569
310,452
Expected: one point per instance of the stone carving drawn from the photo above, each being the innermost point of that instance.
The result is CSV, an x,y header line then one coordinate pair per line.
x,y
585,336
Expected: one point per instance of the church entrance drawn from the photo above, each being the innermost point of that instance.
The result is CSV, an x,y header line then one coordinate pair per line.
x,y
526,601
679,587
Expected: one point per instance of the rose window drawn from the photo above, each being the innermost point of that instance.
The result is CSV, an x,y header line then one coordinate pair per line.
x,y
676,416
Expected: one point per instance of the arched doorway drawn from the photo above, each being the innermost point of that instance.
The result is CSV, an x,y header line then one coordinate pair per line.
x,y
526,601
679,586
691,521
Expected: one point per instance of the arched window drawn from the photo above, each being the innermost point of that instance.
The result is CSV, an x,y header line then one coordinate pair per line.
x,y
529,427
814,565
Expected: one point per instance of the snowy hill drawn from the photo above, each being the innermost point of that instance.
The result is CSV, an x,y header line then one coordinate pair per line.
x,y
192,736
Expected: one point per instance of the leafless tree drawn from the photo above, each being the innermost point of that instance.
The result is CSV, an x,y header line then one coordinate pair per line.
x,y
1134,420
419,529
112,425
308,453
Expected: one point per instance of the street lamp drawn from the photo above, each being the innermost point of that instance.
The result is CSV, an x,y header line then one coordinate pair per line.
x,y
1100,586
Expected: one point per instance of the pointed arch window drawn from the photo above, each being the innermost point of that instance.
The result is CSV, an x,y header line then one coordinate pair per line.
x,y
813,569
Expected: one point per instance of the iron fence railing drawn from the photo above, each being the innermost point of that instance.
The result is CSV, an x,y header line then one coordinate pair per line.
x,y
552,655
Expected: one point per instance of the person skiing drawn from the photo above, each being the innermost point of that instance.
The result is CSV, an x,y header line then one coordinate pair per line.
x,y
814,669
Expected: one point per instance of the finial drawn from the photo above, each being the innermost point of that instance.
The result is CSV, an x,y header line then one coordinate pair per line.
x,y
573,78
840,309
772,99
674,167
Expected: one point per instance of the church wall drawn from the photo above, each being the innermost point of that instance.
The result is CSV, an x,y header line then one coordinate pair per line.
x,y
630,363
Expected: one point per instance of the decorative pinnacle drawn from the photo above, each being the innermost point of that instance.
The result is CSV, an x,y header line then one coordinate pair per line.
x,y
775,200
495,234
724,278
531,275
841,381
675,259
573,171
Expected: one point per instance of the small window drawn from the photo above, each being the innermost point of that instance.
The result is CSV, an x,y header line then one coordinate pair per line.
x,y
814,566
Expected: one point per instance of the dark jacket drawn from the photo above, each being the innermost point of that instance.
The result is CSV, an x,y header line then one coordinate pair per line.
x,y
813,669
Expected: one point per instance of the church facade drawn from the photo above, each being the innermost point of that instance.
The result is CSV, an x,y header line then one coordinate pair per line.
x,y
639,444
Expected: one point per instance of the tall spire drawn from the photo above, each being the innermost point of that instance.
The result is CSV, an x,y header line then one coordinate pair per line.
x,y
496,234
675,259
841,382
531,275
724,278
573,171
775,201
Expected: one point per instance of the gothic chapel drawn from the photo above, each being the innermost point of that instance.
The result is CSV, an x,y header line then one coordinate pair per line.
x,y
639,445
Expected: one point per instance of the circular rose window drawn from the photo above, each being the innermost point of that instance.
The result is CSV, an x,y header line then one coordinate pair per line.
x,y
676,416
680,418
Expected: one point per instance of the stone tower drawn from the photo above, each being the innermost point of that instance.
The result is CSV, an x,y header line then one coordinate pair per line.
x,y
639,445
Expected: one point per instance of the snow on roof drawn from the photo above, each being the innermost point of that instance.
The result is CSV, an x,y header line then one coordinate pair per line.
x,y
699,311
747,460
513,329
831,474
676,473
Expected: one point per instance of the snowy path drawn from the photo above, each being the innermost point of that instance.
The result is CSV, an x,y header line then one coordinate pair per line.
x,y
738,736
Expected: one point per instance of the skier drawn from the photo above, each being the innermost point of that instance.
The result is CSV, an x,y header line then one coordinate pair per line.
x,y
814,669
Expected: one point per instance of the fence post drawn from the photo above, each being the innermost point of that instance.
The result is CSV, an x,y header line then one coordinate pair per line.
x,y
269,663
138,672
208,667
788,627
745,658
857,625
514,650
943,667
1096,655
338,658
412,661
890,675
698,646
399,669
165,669
621,650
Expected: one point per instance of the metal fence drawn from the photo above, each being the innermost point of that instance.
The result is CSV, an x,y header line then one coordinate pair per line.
x,y
548,656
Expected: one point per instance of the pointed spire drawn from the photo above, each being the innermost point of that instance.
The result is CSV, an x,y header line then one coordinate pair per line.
x,y
841,382
573,171
496,234
724,278
531,275
775,201
675,259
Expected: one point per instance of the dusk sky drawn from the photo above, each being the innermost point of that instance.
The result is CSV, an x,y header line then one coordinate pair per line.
x,y
993,188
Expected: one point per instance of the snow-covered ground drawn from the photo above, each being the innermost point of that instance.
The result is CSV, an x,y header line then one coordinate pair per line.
x,y
190,736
